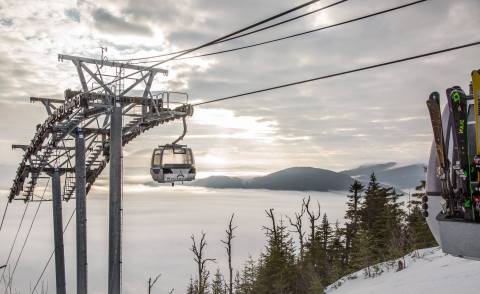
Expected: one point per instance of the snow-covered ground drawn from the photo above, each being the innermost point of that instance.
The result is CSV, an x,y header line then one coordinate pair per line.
x,y
428,271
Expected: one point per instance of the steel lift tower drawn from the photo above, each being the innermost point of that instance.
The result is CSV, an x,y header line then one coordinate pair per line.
x,y
82,133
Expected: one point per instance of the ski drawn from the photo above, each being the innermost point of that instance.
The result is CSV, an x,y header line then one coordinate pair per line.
x,y
476,94
476,160
457,102
433,104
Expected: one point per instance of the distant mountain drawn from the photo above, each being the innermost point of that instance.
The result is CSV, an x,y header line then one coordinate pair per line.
x,y
295,178
401,177
220,182
317,179
367,169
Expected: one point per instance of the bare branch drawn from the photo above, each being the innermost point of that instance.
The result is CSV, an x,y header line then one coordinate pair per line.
x,y
228,248
298,225
152,283
201,261
312,217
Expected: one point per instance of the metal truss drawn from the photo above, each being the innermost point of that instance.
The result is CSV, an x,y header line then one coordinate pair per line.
x,y
52,147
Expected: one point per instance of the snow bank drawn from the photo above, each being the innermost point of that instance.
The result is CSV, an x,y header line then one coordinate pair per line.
x,y
427,271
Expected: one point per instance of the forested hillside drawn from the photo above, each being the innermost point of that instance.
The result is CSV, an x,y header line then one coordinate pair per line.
x,y
305,252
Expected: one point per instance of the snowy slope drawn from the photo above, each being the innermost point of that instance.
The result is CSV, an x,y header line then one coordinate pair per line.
x,y
430,272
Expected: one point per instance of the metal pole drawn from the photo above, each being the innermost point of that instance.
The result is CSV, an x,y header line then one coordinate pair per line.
x,y
81,212
58,232
115,203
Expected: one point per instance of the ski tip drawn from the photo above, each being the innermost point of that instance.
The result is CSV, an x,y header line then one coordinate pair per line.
x,y
455,92
435,96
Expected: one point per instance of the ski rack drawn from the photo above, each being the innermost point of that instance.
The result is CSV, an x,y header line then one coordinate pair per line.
x,y
455,220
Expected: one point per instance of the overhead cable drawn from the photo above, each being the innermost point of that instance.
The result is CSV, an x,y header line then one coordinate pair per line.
x,y
208,43
51,256
15,238
298,34
343,72
26,238
4,214
244,34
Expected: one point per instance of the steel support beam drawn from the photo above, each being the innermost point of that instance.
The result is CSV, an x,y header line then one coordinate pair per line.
x,y
133,85
115,202
62,57
49,100
81,212
81,76
58,233
98,80
146,92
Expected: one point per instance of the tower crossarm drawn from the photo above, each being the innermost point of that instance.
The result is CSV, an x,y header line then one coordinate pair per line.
x,y
52,145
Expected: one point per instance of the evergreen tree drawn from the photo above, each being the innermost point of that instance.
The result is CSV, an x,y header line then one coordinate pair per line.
x,y
375,219
191,287
276,271
315,286
395,224
218,283
352,215
335,252
418,234
352,218
363,257
325,231
245,281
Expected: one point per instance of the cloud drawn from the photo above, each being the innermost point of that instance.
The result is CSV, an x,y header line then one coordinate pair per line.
x,y
107,22
336,123
73,14
8,22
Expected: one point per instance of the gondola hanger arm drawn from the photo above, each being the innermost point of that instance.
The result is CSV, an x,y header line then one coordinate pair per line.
x,y
184,131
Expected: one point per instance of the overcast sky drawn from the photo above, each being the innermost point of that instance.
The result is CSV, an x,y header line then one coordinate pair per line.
x,y
366,117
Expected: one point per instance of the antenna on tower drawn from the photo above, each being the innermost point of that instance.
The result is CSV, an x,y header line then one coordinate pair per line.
x,y
103,56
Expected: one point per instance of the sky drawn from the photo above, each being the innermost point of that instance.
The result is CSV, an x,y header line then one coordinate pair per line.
x,y
339,123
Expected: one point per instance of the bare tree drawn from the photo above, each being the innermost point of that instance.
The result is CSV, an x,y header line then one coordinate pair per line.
x,y
228,247
198,251
272,230
312,217
152,283
298,225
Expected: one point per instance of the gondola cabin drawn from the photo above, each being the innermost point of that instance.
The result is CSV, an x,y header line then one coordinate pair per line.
x,y
172,163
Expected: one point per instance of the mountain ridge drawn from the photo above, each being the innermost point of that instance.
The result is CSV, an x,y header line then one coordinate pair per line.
x,y
401,177
318,179
294,178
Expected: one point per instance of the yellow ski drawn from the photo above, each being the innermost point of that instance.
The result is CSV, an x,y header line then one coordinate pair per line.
x,y
476,159
476,93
